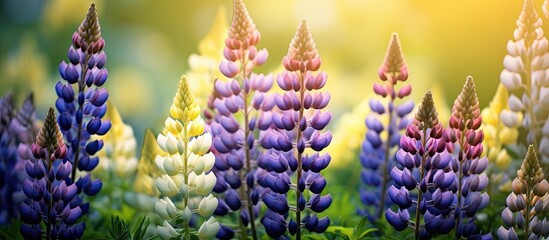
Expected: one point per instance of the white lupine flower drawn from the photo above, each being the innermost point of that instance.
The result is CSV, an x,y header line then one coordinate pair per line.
x,y
209,229
510,80
166,209
207,206
166,186
515,104
183,169
509,118
166,231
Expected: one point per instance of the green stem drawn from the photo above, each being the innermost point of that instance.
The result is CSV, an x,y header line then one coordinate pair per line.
x,y
457,214
186,173
386,160
81,86
50,205
527,212
299,157
420,193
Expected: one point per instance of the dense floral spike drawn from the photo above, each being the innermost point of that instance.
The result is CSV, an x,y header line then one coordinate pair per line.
x,y
52,198
528,204
471,180
17,132
525,76
423,177
81,114
496,134
185,166
145,194
377,156
296,139
242,107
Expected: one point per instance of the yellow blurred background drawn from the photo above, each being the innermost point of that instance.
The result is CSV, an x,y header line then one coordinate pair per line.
x,y
148,44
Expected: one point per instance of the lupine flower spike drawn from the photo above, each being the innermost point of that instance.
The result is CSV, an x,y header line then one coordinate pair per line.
x,y
51,196
423,177
185,170
240,102
525,76
377,156
81,113
496,134
471,180
17,132
525,216
297,139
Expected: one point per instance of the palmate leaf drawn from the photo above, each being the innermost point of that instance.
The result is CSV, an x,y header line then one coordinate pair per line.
x,y
120,230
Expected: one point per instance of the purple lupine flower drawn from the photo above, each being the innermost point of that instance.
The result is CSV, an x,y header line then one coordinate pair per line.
x,y
81,112
241,104
52,198
423,177
377,156
298,129
16,131
468,165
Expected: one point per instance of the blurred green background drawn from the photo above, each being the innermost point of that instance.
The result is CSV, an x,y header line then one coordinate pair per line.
x,y
148,44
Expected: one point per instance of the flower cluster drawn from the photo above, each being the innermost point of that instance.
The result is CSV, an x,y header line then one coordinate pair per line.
x,y
377,155
296,140
51,196
468,165
528,203
240,103
185,169
525,76
81,113
423,177
496,134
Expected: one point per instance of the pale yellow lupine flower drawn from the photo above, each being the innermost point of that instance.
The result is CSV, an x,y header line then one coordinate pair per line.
x,y
496,134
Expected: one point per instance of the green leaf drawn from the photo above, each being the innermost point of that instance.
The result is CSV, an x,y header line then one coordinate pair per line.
x,y
141,228
345,233
363,229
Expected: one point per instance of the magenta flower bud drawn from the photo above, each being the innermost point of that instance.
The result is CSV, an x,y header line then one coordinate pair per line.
x,y
314,64
380,90
404,91
229,69
261,57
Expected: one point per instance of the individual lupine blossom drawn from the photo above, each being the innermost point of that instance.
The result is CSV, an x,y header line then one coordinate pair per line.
x,y
242,108
297,140
496,134
81,114
377,155
16,134
52,198
528,203
185,170
466,138
545,8
525,76
145,194
422,177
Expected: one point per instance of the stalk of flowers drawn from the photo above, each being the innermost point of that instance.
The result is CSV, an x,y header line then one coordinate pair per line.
x,y
81,113
423,177
52,198
377,153
528,204
185,170
526,79
471,180
242,106
16,134
144,193
297,139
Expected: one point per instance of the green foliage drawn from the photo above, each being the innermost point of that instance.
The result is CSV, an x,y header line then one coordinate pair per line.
x,y
11,231
120,230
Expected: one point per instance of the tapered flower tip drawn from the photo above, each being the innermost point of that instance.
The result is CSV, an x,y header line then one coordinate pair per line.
x,y
394,63
529,23
50,137
302,54
530,171
88,35
242,28
466,110
184,106
426,116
